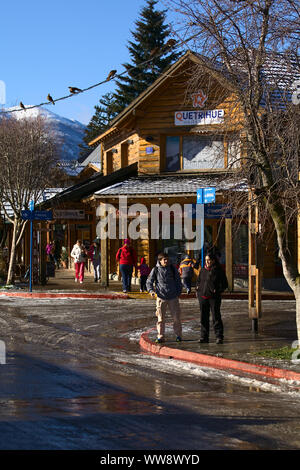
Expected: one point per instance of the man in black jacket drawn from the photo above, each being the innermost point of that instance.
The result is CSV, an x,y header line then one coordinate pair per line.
x,y
211,283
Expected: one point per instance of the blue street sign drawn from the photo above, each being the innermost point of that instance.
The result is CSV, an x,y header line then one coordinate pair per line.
x,y
215,211
36,215
32,215
206,195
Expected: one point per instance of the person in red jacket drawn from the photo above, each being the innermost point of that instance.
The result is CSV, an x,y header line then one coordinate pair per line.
x,y
127,258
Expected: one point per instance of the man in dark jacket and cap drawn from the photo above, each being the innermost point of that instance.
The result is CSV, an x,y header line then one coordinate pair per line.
x,y
164,282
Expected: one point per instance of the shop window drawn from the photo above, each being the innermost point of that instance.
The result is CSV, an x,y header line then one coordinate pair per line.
x,y
234,152
202,152
172,153
194,153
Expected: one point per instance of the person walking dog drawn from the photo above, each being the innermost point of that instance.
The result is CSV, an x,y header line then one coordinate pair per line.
x,y
211,283
164,282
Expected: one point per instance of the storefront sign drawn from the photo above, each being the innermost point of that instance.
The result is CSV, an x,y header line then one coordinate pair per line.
x,y
36,215
214,211
198,118
68,214
217,211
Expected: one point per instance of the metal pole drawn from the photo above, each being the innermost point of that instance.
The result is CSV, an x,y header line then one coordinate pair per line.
x,y
31,208
202,236
30,265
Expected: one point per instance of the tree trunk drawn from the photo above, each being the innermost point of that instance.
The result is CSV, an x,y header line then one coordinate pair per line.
x,y
294,283
12,255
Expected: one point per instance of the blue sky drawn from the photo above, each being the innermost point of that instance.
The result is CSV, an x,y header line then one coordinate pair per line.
x,y
47,46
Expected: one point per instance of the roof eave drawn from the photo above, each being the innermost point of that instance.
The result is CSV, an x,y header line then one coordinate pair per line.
x,y
124,114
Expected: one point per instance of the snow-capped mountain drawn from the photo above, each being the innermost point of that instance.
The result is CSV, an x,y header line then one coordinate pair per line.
x,y
69,131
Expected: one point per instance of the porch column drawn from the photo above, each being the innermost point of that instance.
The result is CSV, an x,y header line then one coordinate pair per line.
x,y
228,253
104,267
104,263
255,263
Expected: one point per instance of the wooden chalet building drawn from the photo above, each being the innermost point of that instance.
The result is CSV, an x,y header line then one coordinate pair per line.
x,y
173,137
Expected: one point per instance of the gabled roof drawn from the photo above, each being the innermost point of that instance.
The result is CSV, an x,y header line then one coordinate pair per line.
x,y
188,56
94,157
89,186
270,72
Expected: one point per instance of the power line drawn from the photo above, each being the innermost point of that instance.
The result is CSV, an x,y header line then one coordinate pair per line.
x,y
172,44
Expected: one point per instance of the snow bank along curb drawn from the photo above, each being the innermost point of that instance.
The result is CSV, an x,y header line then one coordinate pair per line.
x,y
61,295
214,361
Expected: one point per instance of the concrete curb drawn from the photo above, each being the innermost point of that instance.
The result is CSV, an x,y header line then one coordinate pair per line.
x,y
60,295
214,361
132,295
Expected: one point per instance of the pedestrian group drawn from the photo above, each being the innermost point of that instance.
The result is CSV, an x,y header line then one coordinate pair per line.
x,y
164,282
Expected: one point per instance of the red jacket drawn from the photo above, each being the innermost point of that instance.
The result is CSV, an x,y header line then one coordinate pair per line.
x,y
126,255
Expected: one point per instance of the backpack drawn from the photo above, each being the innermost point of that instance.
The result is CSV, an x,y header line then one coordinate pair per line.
x,y
188,266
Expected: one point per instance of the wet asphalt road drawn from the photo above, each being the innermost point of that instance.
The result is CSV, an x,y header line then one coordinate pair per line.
x,y
75,378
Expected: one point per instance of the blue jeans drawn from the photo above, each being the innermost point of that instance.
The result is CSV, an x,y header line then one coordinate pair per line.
x,y
126,272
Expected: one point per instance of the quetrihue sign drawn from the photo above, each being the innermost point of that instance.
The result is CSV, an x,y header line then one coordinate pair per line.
x,y
198,118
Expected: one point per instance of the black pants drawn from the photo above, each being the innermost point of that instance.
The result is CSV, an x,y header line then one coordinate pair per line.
x,y
143,282
206,305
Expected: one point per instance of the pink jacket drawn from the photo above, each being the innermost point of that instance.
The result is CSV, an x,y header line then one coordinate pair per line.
x,y
144,269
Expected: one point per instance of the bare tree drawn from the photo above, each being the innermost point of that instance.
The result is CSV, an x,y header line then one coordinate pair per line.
x,y
28,154
251,48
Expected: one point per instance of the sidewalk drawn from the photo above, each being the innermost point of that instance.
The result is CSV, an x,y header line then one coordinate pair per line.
x,y
277,327
241,351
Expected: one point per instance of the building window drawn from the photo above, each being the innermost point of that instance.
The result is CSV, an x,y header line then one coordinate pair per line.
x,y
173,153
124,155
202,152
234,152
194,152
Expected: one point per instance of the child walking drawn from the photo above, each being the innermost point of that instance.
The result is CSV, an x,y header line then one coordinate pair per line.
x,y
144,271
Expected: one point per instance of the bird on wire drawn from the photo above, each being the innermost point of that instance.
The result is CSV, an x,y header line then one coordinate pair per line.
x,y
170,43
49,98
22,105
111,74
74,89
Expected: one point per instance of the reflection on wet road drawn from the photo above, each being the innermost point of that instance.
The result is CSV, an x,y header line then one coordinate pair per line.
x,y
75,378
